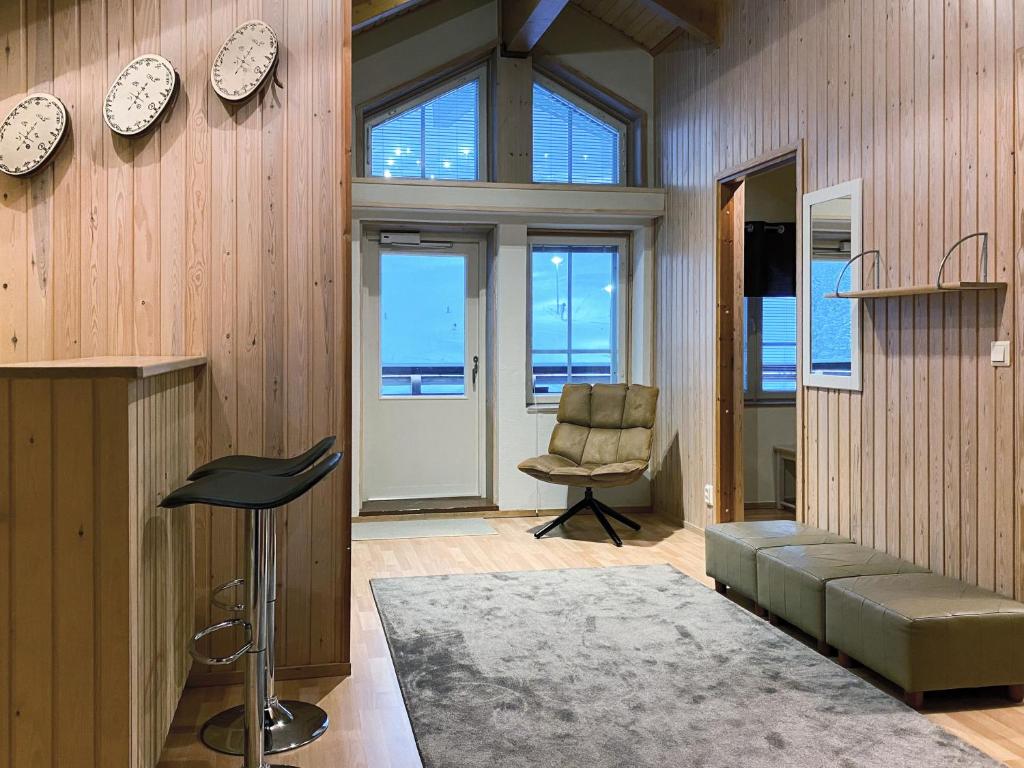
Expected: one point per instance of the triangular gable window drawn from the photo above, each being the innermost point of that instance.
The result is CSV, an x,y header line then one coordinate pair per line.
x,y
436,135
572,143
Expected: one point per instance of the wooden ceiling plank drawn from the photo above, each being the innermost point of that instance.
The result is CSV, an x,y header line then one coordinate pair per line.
x,y
524,22
701,18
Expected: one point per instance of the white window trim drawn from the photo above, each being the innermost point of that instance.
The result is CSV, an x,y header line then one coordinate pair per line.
x,y
754,394
621,128
478,73
824,380
623,317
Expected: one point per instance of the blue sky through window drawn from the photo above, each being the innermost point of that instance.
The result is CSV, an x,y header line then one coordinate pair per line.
x,y
422,324
573,316
438,139
570,146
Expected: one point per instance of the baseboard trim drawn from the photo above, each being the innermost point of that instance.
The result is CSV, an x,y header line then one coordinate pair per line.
x,y
199,679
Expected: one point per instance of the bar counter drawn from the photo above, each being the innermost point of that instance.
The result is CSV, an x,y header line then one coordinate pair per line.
x,y
97,591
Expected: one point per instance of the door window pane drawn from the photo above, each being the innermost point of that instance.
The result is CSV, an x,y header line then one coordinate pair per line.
x,y
422,324
574,316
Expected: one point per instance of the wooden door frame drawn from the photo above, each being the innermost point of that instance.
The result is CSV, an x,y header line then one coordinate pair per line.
x,y
728,368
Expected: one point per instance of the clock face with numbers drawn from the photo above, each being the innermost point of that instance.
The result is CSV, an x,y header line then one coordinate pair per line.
x,y
245,61
31,133
140,95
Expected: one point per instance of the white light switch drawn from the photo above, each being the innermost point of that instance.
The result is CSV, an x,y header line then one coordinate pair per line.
x,y
709,495
1000,353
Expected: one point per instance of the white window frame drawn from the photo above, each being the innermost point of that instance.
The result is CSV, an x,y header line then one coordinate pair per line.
x,y
479,73
754,324
622,305
824,380
621,128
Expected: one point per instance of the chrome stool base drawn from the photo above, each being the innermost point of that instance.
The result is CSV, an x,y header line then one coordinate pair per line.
x,y
287,725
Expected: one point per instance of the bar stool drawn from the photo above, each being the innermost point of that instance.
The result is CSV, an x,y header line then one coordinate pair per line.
x,y
258,495
288,724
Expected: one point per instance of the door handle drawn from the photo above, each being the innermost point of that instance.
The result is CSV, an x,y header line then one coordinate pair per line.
x,y
476,369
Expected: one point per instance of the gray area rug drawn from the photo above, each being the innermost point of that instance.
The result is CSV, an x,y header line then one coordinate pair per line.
x,y
421,529
630,667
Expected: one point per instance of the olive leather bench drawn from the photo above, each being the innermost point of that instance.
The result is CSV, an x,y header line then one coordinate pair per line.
x,y
731,550
791,580
926,632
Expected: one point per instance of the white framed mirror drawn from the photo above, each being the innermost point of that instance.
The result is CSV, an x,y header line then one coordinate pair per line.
x,y
832,234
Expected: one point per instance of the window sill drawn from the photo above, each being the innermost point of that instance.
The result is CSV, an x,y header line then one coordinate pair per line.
x,y
769,403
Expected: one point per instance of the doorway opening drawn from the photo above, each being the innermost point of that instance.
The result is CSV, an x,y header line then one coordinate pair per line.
x,y
757,461
424,383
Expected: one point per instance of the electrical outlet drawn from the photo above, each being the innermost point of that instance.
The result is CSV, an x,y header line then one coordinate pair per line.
x,y
709,495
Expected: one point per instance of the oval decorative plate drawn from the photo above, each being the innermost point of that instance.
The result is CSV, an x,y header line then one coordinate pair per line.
x,y
140,95
31,133
245,61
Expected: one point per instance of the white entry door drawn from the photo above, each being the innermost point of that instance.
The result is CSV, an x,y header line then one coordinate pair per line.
x,y
423,372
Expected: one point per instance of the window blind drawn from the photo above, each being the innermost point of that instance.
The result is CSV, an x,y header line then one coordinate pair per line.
x,y
571,146
438,139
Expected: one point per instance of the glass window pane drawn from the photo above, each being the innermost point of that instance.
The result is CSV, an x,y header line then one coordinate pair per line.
x,y
439,139
571,146
574,317
830,319
422,324
778,344
550,319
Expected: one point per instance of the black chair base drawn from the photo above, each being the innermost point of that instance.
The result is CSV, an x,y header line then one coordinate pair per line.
x,y
601,511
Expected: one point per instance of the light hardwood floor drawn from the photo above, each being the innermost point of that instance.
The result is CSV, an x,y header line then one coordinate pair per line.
x,y
369,726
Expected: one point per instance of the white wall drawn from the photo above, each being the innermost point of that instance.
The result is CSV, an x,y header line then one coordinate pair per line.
x,y
414,44
763,429
519,431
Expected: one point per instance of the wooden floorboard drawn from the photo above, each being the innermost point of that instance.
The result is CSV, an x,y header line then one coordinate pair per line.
x,y
369,724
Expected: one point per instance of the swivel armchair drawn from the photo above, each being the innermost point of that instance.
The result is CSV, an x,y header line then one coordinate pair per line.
x,y
602,440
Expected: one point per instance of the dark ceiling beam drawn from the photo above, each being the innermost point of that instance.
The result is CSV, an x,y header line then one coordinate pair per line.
x,y
524,22
701,18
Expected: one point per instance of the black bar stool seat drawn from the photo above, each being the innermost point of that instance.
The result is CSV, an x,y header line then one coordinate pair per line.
x,y
264,464
262,724
249,490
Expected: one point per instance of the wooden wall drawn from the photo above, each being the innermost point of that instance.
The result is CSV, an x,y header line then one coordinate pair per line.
x,y
917,97
98,610
225,232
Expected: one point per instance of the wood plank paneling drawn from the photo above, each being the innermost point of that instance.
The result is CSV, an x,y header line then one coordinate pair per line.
x,y
100,599
225,232
917,98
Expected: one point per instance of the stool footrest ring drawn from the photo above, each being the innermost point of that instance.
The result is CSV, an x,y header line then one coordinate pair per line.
x,y
221,660
215,596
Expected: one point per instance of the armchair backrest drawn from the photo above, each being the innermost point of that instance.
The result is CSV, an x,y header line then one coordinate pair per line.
x,y
605,423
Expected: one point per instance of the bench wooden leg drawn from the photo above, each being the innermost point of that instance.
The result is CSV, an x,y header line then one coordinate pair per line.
x,y
759,611
824,648
914,699
1016,693
844,660
773,619
720,588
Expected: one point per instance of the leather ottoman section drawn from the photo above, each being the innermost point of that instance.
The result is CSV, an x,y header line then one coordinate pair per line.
x,y
791,580
926,632
731,548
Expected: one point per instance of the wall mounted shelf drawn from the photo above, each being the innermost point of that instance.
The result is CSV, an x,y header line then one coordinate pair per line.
x,y
915,290
925,289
